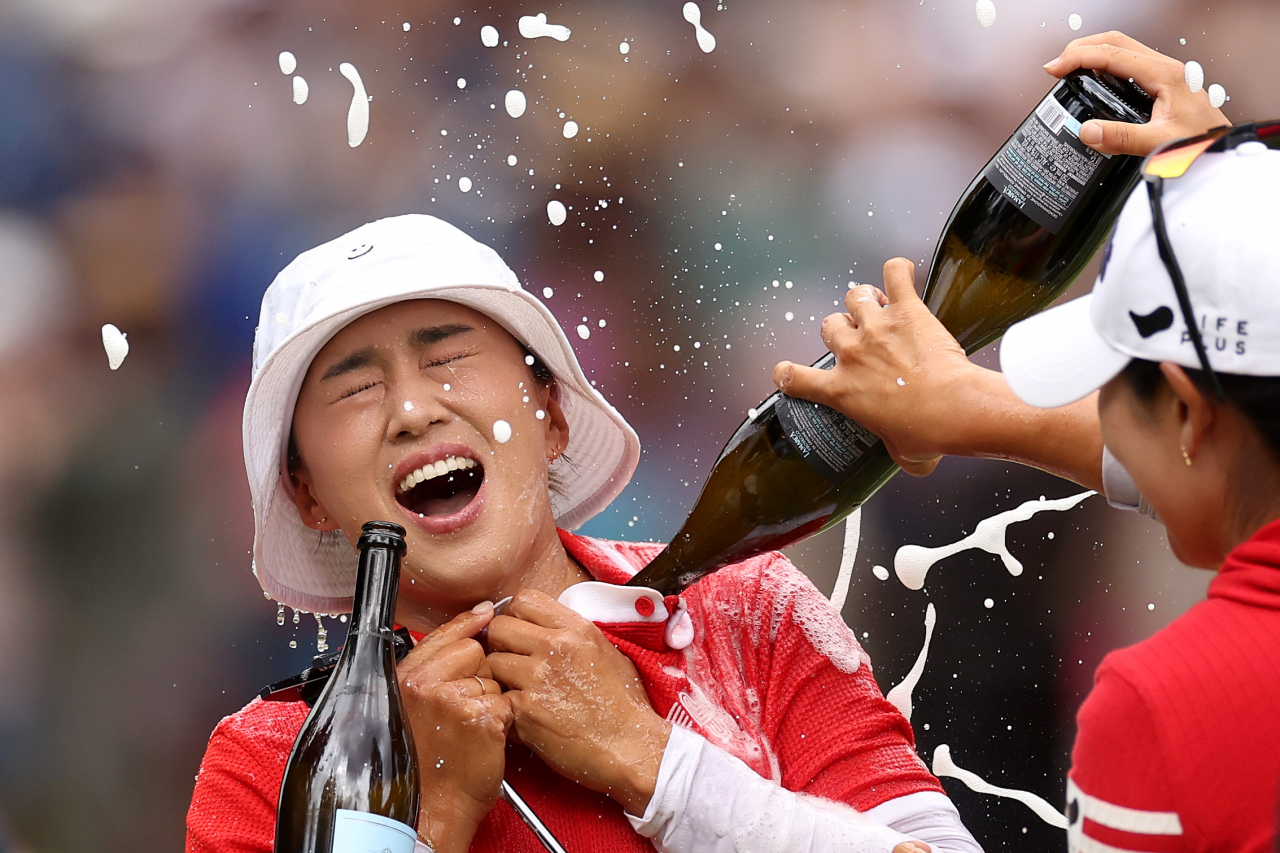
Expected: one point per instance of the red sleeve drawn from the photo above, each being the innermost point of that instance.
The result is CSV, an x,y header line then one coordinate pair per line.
x,y
233,809
834,733
1119,792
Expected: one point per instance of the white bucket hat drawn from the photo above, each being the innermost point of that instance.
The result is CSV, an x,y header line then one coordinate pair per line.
x,y
324,289
1223,225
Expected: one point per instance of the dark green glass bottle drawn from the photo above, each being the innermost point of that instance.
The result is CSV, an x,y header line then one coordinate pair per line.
x,y
1020,234
351,784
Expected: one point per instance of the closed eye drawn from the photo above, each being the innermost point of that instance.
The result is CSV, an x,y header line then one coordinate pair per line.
x,y
449,359
365,387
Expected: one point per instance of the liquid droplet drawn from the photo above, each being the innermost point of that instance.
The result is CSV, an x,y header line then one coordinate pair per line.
x,y
358,112
570,129
464,184
1217,96
583,331
489,36
116,343
900,696
536,26
988,603
501,431
598,275
944,766
293,644
279,614
624,48
462,82
556,212
692,14
881,573
1075,21
288,62
515,103
511,160
300,90
322,636
547,293
297,617
1193,73
406,26
986,12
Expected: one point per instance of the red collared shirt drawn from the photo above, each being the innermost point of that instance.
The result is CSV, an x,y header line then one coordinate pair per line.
x,y
753,658
1179,741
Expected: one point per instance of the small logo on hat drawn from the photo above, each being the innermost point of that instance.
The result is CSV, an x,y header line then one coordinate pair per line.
x,y
360,251
1157,321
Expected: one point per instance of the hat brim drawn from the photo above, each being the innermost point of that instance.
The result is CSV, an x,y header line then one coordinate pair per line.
x,y
1058,357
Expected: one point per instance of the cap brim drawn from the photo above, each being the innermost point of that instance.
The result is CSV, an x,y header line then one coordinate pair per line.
x,y
1058,357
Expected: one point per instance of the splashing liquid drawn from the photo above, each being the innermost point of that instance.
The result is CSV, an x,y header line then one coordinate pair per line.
x,y
116,344
489,36
556,212
288,62
536,26
900,696
986,12
848,556
944,766
279,614
358,112
692,14
322,635
515,102
912,562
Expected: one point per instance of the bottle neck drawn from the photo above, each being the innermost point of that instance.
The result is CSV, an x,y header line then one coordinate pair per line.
x,y
377,579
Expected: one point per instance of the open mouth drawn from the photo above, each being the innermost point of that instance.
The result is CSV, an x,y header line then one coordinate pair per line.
x,y
441,488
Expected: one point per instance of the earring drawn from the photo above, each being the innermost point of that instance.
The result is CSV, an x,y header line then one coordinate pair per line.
x,y
1186,457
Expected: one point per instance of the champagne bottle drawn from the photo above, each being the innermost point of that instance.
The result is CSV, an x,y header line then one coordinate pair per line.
x,y
351,783
1020,234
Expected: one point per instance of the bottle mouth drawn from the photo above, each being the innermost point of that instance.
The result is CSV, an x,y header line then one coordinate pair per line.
x,y
386,534
1129,93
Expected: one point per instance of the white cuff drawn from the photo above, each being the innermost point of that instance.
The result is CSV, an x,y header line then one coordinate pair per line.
x,y
707,801
1118,487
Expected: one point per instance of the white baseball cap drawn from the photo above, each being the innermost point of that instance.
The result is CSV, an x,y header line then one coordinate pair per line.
x,y
324,289
1224,227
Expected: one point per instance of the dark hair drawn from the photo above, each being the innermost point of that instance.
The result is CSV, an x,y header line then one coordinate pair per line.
x,y
1257,397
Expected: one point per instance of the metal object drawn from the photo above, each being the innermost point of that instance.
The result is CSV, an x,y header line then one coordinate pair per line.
x,y
531,819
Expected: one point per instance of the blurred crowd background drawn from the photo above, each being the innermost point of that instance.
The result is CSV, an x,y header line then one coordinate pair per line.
x,y
156,174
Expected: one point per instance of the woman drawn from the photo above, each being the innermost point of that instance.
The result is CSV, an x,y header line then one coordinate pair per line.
x,y
401,373
1178,745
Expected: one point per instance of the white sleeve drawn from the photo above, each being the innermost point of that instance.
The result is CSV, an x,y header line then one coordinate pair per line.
x,y
1118,487
929,817
707,801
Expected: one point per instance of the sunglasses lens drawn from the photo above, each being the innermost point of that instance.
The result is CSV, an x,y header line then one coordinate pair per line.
x,y
1174,162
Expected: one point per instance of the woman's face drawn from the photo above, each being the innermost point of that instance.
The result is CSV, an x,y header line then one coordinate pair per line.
x,y
1148,438
417,388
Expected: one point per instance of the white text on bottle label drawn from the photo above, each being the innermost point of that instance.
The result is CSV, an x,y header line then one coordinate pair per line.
x,y
826,439
363,832
1044,166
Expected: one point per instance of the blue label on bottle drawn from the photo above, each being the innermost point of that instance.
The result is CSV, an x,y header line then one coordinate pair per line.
x,y
363,832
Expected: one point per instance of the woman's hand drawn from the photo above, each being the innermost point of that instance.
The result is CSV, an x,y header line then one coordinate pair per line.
x,y
1177,111
578,701
898,371
459,719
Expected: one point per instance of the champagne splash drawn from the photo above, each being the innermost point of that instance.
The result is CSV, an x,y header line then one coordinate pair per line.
x,y
692,14
288,62
1193,73
536,26
515,102
848,556
556,212
1217,95
116,344
900,696
501,431
358,112
300,90
1074,21
986,12
322,635
570,129
489,36
944,766
912,562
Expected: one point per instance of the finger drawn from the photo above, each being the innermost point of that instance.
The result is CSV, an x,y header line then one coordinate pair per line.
x,y
460,659
802,381
921,469
537,607
913,847
509,634
1150,72
900,280
1119,137
515,672
463,626
475,687
1116,38
864,304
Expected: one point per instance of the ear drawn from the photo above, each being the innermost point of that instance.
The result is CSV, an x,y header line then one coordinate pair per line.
x,y
557,427
1195,412
310,510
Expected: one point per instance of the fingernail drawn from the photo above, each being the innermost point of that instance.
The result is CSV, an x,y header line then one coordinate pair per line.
x,y
1052,62
1090,133
483,607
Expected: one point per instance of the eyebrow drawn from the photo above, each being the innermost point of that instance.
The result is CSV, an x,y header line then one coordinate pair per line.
x,y
435,334
418,337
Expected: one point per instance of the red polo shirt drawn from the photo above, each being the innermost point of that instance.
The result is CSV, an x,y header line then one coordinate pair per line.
x,y
1179,742
753,658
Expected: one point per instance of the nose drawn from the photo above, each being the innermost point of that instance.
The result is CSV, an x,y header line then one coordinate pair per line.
x,y
413,412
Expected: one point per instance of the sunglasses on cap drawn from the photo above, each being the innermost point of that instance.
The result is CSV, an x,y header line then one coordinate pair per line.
x,y
1172,160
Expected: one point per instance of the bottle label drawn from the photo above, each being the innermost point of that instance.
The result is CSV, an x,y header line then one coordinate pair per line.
x,y
1044,166
826,439
364,832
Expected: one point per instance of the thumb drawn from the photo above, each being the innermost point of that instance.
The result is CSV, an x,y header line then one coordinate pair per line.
x,y
807,383
1120,137
900,280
